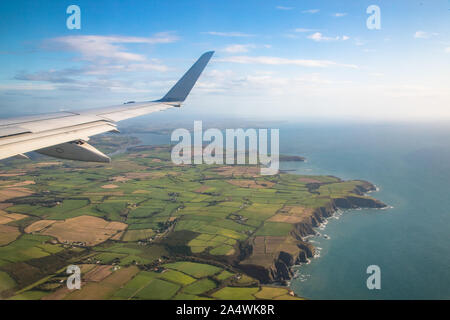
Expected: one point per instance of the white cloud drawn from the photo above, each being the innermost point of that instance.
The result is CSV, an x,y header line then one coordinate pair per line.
x,y
304,30
228,34
27,86
339,14
283,61
283,8
319,37
104,55
106,48
264,84
311,11
214,81
291,36
359,42
413,91
447,50
420,34
424,35
260,91
104,59
152,65
238,48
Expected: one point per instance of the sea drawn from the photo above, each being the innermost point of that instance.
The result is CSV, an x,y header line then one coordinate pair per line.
x,y
409,241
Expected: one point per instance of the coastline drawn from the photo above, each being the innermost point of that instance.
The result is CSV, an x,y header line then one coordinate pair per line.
x,y
313,238
284,266
281,269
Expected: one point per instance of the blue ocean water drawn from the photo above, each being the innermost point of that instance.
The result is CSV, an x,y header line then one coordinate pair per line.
x,y
409,242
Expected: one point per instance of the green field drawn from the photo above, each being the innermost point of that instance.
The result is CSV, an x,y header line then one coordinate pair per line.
x,y
196,270
6,282
229,293
200,286
178,277
158,289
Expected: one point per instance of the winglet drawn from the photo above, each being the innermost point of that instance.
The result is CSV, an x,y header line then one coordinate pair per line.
x,y
181,89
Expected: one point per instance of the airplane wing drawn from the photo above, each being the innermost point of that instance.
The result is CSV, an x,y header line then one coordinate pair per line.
x,y
64,134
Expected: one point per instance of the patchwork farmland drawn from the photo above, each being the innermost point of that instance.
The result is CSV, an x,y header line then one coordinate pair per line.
x,y
144,228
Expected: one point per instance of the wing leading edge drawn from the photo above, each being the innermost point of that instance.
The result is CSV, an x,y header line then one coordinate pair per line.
x,y
64,134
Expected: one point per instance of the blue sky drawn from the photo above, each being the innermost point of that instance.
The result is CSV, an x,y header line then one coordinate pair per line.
x,y
274,59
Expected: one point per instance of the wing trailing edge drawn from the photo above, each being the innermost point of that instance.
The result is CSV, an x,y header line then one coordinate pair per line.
x,y
75,150
32,142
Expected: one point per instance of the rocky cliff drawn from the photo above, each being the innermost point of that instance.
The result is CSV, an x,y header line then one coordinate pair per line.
x,y
274,265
